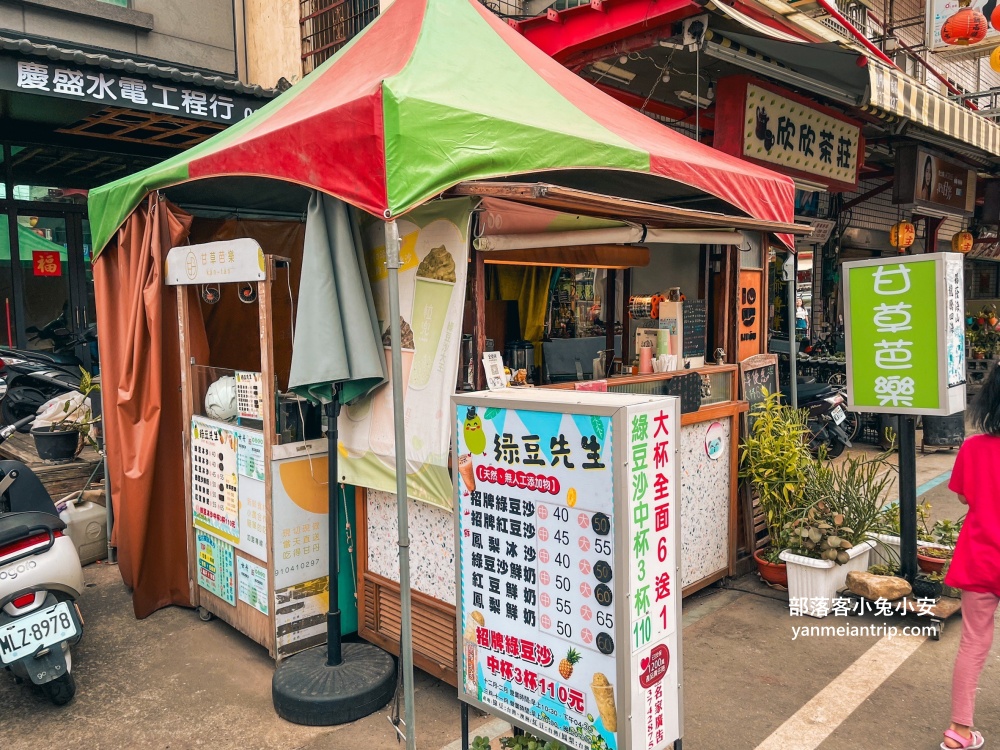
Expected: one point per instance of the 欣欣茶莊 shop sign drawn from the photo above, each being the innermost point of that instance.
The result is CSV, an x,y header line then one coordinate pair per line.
x,y
778,129
905,331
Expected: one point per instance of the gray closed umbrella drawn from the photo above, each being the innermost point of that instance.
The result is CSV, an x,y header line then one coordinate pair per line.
x,y
336,332
337,357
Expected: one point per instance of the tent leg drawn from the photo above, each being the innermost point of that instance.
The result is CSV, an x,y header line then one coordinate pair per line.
x,y
406,626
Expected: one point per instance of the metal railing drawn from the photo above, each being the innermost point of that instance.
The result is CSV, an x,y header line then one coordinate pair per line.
x,y
327,25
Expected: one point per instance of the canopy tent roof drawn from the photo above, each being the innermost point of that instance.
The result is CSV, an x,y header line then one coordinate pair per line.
x,y
436,92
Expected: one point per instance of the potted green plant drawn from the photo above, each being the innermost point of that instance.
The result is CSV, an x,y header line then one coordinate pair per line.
x,y
832,535
936,544
773,459
928,585
61,432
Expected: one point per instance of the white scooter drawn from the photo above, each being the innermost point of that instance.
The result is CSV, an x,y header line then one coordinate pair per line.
x,y
40,580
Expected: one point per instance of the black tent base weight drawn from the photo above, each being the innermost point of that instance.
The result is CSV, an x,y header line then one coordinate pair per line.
x,y
306,690
337,682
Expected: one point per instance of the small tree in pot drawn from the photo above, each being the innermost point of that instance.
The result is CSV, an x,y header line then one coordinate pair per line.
x,y
774,459
832,536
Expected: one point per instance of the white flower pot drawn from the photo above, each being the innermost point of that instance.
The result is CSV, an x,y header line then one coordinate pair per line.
x,y
813,584
880,555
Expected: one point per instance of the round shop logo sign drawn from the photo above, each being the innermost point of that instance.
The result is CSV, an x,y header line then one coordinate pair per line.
x,y
714,438
191,265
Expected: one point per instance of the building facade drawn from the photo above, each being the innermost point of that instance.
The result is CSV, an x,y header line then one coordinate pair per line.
x,y
91,91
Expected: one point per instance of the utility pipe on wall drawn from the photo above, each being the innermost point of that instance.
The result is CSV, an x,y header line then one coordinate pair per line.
x,y
839,17
613,236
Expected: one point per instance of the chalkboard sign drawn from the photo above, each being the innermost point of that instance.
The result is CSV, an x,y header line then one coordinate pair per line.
x,y
688,388
758,374
695,323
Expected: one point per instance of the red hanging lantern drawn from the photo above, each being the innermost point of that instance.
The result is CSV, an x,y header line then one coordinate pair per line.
x,y
967,26
962,242
995,18
902,235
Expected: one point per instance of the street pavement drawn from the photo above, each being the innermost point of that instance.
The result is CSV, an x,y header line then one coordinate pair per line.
x,y
172,681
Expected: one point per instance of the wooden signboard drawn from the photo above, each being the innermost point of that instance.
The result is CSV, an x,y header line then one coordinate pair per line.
x,y
758,377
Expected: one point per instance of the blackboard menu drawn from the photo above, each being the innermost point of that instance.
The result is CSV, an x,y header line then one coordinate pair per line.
x,y
695,323
758,378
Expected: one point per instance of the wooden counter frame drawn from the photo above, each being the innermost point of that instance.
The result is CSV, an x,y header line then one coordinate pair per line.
x,y
243,616
371,585
370,618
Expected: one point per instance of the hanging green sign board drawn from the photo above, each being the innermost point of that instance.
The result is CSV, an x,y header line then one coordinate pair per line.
x,y
905,330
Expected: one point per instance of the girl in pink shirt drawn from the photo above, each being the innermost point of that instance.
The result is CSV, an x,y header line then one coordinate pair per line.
x,y
975,566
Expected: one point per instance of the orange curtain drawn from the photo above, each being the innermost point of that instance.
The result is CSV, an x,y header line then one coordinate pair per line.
x,y
140,382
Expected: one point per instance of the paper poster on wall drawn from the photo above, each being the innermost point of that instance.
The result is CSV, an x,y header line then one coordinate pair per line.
x,y
215,566
252,580
300,615
253,518
250,454
434,260
214,491
249,395
299,503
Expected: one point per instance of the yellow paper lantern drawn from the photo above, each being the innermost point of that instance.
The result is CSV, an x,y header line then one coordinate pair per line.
x,y
995,59
902,234
962,242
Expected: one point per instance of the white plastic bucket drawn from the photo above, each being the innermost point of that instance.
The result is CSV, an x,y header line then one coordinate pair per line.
x,y
813,584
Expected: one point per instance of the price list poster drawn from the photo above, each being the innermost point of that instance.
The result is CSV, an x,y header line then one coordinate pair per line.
x,y
568,543
215,492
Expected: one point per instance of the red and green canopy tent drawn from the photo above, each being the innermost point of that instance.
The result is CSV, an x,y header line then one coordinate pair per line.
x,y
437,92
432,94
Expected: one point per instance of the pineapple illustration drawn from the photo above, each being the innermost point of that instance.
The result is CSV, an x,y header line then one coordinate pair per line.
x,y
566,665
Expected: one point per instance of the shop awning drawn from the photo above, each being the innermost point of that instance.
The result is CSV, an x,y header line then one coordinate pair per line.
x,y
830,67
894,93
437,92
583,203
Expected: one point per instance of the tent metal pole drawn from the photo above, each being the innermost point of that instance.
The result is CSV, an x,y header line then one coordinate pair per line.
x,y
406,625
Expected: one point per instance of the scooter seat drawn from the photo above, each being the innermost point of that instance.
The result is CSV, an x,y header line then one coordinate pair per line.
x,y
14,526
810,391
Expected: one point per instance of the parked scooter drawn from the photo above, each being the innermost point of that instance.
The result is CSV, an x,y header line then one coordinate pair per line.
x,y
32,377
827,418
40,580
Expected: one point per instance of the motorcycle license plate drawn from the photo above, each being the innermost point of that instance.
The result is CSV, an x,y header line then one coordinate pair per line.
x,y
838,415
26,635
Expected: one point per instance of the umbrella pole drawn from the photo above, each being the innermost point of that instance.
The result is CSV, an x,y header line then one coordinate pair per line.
x,y
337,682
406,625
333,655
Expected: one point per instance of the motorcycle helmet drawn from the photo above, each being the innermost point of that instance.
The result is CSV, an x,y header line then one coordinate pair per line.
x,y
220,401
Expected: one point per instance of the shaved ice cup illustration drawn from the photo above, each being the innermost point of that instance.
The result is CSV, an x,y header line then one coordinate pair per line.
x,y
432,290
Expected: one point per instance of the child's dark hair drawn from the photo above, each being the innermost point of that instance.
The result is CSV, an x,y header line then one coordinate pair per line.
x,y
985,408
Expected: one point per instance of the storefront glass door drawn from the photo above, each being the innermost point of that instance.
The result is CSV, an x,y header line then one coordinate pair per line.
x,y
8,333
43,252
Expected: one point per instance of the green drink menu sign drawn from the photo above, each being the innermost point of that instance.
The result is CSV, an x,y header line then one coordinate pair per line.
x,y
905,335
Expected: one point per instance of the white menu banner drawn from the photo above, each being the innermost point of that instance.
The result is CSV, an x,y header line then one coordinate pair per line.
x,y
568,560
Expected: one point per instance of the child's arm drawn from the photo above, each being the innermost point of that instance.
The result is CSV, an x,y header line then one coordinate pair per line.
x,y
962,500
